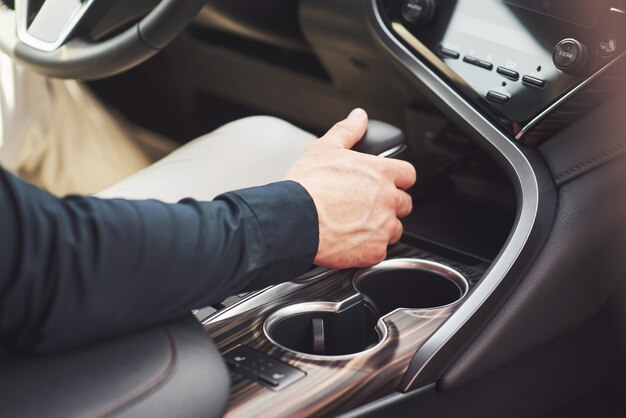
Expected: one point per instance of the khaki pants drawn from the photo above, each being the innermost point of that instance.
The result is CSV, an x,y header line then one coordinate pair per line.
x,y
57,135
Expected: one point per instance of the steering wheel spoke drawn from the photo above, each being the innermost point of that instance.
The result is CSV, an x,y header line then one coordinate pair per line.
x,y
52,24
55,39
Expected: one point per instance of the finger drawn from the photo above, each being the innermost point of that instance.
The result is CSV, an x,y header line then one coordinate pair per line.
x,y
404,204
402,172
397,232
347,132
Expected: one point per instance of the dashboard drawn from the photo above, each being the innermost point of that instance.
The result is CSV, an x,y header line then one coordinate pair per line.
x,y
519,60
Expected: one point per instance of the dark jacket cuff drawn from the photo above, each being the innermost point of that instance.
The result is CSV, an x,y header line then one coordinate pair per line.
x,y
287,219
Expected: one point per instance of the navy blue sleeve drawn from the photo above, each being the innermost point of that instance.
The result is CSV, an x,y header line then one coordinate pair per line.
x,y
77,269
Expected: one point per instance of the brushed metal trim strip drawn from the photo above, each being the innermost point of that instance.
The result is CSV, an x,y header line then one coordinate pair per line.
x,y
267,294
416,264
523,177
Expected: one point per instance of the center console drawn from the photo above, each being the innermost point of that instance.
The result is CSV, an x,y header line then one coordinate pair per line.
x,y
321,345
333,341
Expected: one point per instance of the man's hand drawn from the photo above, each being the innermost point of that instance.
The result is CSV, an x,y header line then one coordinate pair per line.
x,y
358,197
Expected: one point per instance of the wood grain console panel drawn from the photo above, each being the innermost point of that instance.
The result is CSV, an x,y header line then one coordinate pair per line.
x,y
332,384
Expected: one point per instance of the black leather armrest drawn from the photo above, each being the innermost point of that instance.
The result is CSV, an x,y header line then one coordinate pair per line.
x,y
168,370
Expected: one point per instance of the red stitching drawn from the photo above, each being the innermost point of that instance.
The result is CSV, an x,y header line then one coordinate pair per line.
x,y
589,162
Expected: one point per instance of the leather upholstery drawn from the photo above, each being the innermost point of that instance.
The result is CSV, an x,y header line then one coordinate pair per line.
x,y
582,265
584,146
163,371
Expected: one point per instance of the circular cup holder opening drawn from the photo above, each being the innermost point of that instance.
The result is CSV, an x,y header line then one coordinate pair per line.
x,y
411,284
325,329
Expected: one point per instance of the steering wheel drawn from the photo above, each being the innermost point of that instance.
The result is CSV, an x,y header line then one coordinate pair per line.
x,y
54,39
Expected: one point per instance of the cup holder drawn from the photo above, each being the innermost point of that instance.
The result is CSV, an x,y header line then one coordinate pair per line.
x,y
353,326
411,284
325,328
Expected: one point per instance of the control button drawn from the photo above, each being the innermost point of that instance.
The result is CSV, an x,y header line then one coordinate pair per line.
x,y
470,60
533,82
261,368
445,52
479,63
570,56
508,73
418,12
607,46
269,380
617,7
497,97
485,64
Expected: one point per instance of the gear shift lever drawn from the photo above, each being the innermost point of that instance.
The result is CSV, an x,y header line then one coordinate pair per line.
x,y
381,139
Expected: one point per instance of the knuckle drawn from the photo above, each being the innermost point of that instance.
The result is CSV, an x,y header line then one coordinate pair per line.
x,y
406,169
395,227
409,172
397,234
380,165
393,197
399,227
406,203
378,255
412,173
401,200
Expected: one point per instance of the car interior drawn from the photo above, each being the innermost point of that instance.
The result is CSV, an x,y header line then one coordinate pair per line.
x,y
506,296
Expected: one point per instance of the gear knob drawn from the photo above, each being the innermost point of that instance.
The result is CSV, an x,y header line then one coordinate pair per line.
x,y
381,139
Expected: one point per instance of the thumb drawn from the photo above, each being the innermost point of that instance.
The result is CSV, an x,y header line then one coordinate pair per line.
x,y
346,133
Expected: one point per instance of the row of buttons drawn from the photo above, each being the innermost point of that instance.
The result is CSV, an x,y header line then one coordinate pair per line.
x,y
506,72
479,63
262,368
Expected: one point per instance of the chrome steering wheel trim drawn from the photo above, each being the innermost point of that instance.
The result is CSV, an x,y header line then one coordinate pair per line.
x,y
53,24
53,50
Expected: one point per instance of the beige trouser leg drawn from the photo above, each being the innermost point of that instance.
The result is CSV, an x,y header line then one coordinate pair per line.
x,y
248,152
57,135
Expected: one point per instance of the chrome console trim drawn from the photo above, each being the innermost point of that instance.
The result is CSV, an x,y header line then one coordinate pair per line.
x,y
268,294
522,175
306,307
439,269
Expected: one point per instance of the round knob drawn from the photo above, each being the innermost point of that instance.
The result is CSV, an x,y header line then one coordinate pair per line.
x,y
570,56
418,12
